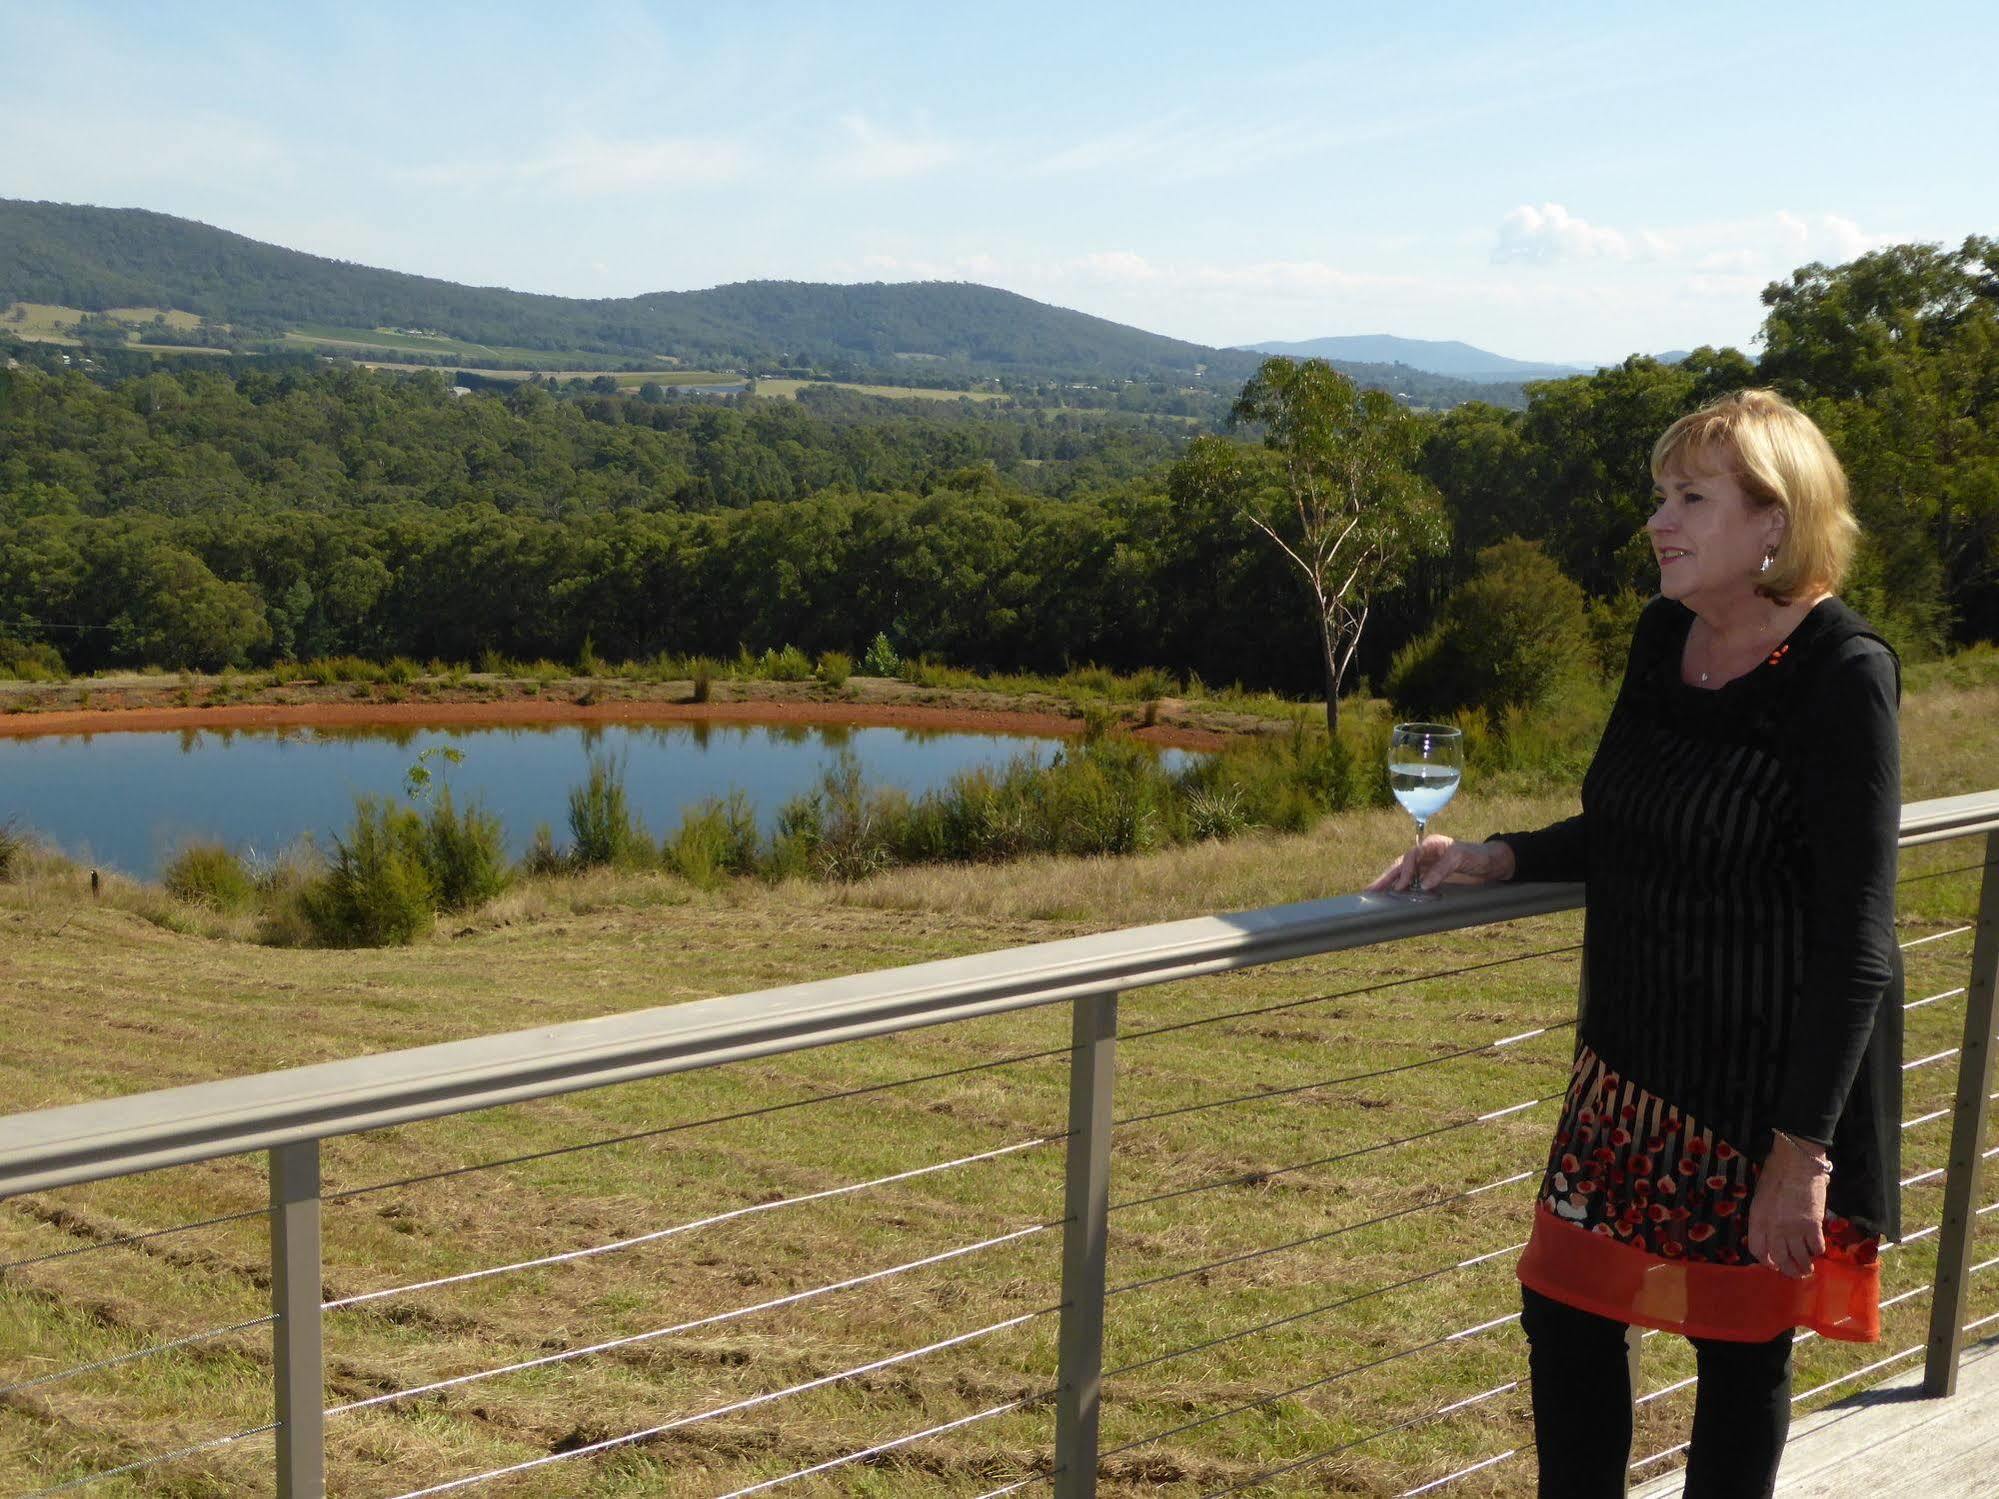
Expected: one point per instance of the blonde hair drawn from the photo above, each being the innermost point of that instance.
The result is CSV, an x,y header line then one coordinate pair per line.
x,y
1782,459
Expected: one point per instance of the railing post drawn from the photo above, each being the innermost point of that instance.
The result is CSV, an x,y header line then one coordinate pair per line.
x,y
1085,1238
300,1378
1967,1140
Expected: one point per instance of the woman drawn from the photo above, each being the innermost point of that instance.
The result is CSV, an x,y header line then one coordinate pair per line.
x,y
1726,1160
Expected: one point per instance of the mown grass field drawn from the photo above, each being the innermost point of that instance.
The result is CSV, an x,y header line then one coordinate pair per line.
x,y
115,999
790,389
40,322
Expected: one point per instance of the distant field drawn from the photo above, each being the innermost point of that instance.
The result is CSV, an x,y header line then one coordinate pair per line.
x,y
530,360
630,379
45,322
173,316
790,388
41,323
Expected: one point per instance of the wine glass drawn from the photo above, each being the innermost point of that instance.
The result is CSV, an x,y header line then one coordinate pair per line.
x,y
1425,763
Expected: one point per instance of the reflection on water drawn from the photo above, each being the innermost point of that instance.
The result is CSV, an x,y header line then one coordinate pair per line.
x,y
127,800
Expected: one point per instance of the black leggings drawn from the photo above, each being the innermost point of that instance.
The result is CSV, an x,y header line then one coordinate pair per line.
x,y
1582,1407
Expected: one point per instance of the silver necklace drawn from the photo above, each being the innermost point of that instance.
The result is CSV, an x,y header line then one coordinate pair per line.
x,y
1709,652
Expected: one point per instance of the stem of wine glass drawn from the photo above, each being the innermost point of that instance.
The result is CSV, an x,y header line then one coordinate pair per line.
x,y
1416,857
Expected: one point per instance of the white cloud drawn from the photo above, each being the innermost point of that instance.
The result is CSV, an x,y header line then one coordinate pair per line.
x,y
872,154
1725,256
1550,233
591,166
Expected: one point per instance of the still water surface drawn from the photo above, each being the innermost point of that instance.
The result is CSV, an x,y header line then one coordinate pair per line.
x,y
126,801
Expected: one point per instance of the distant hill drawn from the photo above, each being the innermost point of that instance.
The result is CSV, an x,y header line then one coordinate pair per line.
x,y
97,259
1436,356
175,283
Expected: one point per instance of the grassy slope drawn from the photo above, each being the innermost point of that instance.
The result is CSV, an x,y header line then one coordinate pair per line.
x,y
116,1002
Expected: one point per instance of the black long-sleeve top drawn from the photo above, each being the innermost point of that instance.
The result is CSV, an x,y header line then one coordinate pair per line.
x,y
1739,850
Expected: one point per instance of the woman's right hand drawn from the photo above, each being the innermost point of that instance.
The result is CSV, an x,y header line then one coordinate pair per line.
x,y
1440,860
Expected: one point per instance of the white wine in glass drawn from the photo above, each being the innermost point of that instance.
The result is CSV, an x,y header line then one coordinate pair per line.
x,y
1425,763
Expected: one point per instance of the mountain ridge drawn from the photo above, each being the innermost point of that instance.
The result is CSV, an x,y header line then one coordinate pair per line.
x,y
1435,356
245,295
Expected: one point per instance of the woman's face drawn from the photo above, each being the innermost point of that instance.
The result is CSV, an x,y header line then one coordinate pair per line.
x,y
1708,538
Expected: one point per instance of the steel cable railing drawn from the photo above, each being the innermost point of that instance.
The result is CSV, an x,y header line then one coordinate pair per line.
x,y
1941,874
1312,1384
1373,988
1317,1311
178,1454
1264,1174
1956,931
714,1319
1318,1457
1478,1467
188,1341
1930,999
1318,1238
1103,1122
1891,1301
570,1256
1351,1077
138,1238
1932,1059
679,1127
899,1442
346,1194
734,1406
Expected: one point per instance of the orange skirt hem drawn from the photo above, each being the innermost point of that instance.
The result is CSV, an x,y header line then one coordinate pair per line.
x,y
1595,1272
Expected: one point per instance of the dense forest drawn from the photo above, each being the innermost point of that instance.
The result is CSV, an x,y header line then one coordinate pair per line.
x,y
209,515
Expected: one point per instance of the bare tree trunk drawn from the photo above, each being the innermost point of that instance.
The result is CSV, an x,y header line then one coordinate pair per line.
x,y
1332,677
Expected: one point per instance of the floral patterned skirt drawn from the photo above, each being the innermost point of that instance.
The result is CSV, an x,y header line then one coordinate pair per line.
x,y
1644,1215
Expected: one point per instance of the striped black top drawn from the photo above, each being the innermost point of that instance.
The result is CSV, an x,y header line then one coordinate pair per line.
x,y
1739,849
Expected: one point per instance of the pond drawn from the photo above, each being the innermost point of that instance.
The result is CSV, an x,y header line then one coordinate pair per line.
x,y
128,800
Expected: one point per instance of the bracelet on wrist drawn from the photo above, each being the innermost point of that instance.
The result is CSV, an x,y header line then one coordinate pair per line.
x,y
1817,1158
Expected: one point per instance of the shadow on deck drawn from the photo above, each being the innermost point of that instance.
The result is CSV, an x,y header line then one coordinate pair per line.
x,y
1889,1440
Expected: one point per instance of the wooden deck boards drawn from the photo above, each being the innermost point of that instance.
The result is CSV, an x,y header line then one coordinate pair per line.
x,y
1890,1440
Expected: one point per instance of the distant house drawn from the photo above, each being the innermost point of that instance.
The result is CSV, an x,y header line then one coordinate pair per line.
x,y
461,390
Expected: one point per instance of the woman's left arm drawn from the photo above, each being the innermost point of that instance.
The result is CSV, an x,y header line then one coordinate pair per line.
x,y
1852,795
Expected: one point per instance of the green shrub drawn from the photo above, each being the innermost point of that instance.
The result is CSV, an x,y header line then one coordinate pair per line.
x,y
13,851
1611,623
601,821
834,668
465,853
588,662
787,665
401,671
858,825
543,857
715,839
209,874
881,659
1216,814
704,681
39,662
1105,797
1515,634
377,891
327,670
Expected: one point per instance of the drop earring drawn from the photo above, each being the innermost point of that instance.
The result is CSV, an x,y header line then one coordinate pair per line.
x,y
1769,556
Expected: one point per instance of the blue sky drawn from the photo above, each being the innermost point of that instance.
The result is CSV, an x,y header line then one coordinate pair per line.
x,y
1550,181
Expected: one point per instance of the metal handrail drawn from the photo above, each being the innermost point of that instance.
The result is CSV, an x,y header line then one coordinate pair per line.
x,y
175,1126
288,1113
